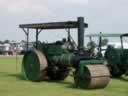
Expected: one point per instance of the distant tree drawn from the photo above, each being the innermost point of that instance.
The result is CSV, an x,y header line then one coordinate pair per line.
x,y
23,41
13,41
1,42
104,42
7,41
91,44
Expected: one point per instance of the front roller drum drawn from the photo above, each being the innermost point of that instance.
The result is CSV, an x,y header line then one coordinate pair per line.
x,y
94,76
34,65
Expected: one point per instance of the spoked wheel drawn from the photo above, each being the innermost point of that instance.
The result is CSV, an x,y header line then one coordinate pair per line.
x,y
113,69
34,65
113,62
94,76
116,72
57,72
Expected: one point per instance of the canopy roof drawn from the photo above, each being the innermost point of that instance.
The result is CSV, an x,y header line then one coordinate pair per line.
x,y
104,35
53,25
126,34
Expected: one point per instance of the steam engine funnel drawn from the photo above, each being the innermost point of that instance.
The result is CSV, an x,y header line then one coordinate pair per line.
x,y
80,32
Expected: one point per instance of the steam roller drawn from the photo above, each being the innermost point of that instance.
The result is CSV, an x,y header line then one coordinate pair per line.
x,y
116,55
88,74
54,61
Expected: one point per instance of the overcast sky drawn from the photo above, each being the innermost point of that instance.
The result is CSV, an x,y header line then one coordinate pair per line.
x,y
102,16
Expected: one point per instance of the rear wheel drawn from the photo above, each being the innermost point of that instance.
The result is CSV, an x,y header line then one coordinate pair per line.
x,y
57,72
116,72
114,62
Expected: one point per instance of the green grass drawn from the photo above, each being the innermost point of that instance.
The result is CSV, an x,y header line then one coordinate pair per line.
x,y
11,84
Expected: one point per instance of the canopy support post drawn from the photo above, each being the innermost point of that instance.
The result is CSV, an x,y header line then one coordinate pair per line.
x,y
90,38
121,39
100,42
37,35
27,35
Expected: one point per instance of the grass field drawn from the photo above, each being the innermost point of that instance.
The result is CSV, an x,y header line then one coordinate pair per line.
x,y
11,84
